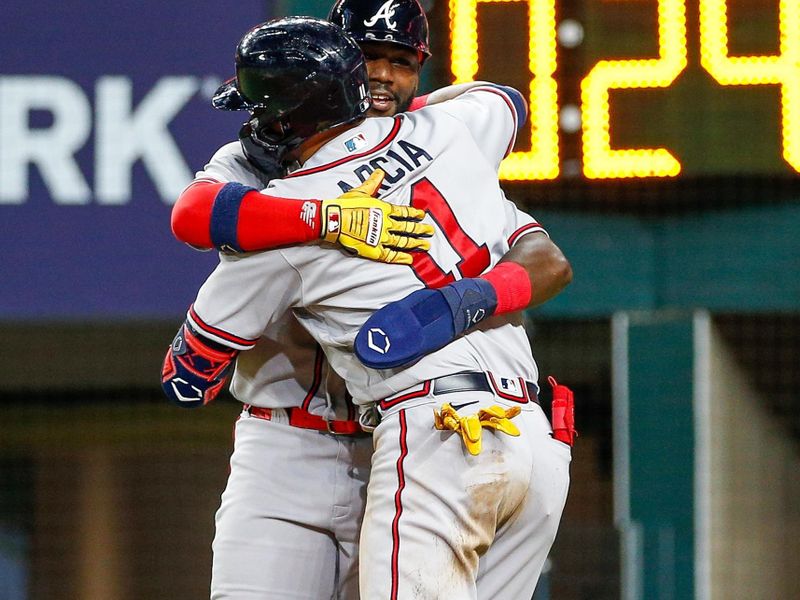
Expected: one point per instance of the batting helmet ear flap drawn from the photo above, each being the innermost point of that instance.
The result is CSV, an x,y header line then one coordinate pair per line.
x,y
228,97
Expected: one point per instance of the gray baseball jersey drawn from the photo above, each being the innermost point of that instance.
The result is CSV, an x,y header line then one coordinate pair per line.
x,y
285,367
332,293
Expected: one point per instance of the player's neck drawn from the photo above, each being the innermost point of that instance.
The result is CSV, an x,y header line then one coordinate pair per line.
x,y
316,141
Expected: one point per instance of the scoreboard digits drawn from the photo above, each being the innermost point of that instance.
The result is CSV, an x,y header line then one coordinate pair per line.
x,y
600,160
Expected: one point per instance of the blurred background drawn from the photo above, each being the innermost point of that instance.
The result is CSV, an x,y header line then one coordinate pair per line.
x,y
662,154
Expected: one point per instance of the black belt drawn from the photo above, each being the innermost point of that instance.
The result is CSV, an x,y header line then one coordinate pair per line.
x,y
474,381
515,389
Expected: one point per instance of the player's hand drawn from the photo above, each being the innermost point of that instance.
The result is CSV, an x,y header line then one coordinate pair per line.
x,y
372,228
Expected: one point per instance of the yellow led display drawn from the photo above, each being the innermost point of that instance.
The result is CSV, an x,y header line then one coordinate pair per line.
x,y
783,69
542,161
599,160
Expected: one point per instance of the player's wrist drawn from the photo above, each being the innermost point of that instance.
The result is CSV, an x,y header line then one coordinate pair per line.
x,y
330,220
511,285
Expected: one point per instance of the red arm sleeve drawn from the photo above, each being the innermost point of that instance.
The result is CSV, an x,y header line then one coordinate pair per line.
x,y
260,221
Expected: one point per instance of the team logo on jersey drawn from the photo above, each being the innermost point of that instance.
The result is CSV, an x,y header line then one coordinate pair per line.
x,y
378,340
385,13
355,143
308,213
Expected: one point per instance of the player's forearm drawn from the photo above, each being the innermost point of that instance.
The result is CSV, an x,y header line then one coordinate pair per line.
x,y
547,268
232,216
529,274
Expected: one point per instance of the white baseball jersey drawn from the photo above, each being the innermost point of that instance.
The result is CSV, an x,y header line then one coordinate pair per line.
x,y
443,159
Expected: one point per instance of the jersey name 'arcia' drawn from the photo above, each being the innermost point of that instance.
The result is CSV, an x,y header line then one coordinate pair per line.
x,y
393,163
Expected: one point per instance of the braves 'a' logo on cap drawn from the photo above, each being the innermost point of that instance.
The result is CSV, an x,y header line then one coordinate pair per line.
x,y
385,12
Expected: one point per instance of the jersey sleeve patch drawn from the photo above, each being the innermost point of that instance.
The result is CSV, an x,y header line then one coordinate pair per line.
x,y
218,335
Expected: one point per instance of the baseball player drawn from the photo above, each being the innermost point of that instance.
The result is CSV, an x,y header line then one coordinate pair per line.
x,y
518,489
287,364
290,515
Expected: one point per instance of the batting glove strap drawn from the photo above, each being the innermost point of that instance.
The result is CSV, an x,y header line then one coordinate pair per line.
x,y
352,224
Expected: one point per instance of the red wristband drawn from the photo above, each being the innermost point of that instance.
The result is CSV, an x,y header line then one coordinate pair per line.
x,y
511,284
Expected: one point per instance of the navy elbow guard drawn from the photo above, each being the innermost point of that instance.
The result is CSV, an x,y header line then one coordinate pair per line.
x,y
422,322
195,369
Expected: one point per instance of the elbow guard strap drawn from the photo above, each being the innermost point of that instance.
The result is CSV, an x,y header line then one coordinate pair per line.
x,y
195,368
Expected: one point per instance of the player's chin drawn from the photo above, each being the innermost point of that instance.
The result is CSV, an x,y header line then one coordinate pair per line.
x,y
382,109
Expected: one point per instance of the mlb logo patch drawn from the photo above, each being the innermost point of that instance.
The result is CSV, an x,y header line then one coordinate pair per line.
x,y
510,386
355,143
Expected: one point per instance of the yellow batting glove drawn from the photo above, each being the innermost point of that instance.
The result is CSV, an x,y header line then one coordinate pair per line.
x,y
471,427
496,417
468,427
372,228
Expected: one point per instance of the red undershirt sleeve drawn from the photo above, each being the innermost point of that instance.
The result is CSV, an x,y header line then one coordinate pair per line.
x,y
231,216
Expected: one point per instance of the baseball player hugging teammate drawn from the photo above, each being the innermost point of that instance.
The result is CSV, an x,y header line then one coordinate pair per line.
x,y
449,512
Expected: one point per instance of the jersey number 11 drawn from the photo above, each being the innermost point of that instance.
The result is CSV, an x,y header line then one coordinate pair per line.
x,y
474,258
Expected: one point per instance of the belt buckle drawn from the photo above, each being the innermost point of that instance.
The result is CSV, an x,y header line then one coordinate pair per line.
x,y
332,431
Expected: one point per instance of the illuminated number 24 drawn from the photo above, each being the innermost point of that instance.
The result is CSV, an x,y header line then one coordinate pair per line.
x,y
599,159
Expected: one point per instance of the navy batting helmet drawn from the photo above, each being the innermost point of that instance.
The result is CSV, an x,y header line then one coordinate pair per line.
x,y
297,76
398,21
